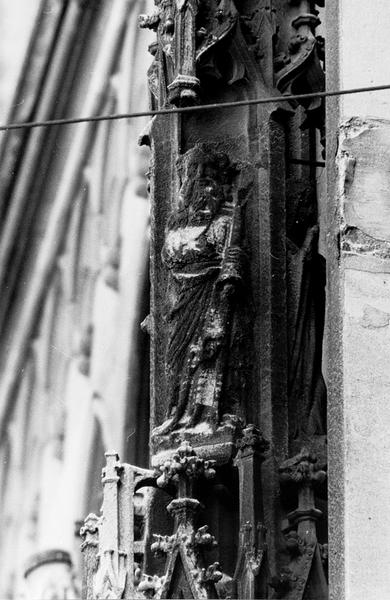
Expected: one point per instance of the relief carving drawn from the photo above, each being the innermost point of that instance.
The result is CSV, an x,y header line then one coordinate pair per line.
x,y
208,308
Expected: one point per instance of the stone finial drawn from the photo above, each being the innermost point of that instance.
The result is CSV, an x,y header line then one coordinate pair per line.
x,y
114,573
185,464
111,472
89,532
301,470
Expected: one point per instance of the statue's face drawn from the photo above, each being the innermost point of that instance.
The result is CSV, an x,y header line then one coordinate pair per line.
x,y
202,193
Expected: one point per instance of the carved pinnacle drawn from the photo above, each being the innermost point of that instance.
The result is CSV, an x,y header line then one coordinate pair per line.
x,y
301,471
90,531
185,464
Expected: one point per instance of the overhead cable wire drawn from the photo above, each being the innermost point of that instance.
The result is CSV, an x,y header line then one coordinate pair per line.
x,y
191,109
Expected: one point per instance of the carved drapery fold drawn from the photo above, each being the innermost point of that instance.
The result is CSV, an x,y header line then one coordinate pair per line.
x,y
251,573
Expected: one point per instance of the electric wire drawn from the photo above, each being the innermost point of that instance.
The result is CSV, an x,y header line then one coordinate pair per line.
x,y
192,109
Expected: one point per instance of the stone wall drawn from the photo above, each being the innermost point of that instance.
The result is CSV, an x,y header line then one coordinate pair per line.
x,y
359,299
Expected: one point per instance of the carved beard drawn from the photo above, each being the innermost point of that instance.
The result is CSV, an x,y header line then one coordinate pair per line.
x,y
203,201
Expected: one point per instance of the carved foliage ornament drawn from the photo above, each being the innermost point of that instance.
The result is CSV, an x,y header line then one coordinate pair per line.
x,y
114,574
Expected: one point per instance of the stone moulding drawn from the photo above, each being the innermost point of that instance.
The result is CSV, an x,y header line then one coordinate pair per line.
x,y
47,557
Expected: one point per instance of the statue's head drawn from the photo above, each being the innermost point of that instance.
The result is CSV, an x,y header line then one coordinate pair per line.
x,y
206,184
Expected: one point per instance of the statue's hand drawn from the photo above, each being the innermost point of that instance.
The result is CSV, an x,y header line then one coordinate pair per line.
x,y
228,291
211,347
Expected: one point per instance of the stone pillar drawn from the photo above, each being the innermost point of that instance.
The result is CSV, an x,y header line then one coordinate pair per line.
x,y
359,300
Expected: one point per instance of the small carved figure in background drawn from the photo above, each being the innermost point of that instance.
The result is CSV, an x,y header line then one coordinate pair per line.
x,y
306,314
206,361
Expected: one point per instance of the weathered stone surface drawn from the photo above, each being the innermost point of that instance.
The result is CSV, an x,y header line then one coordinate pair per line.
x,y
237,309
366,384
367,202
360,292
237,281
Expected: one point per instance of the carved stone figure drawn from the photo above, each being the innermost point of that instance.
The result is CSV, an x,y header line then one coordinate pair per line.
x,y
306,313
208,318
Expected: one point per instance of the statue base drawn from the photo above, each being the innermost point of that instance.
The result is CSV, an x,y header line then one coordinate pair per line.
x,y
218,444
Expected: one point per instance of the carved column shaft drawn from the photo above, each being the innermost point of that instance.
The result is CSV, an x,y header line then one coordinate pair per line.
x,y
249,459
251,569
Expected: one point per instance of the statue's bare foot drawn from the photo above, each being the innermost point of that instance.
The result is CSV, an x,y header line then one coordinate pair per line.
x,y
164,428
